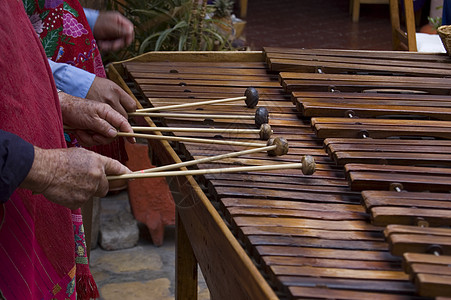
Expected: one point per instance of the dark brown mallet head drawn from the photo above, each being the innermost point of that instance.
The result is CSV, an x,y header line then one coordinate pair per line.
x,y
265,131
251,97
281,149
261,116
308,165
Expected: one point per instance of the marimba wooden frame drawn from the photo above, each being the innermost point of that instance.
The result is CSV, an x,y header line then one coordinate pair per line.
x,y
202,236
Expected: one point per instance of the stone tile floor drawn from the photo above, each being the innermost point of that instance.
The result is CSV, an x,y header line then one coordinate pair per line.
x,y
142,272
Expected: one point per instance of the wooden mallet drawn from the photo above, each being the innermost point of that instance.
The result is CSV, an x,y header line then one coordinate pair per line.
x,y
307,165
250,98
261,116
276,147
264,132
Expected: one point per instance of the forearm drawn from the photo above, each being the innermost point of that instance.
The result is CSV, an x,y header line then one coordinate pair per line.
x,y
16,159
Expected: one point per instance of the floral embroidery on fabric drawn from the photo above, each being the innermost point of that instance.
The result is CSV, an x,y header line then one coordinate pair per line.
x,y
37,23
52,3
60,53
72,27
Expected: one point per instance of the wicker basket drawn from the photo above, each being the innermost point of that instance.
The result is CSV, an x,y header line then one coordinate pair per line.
x,y
445,35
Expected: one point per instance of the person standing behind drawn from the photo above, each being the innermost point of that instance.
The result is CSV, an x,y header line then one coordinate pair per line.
x,y
71,41
42,184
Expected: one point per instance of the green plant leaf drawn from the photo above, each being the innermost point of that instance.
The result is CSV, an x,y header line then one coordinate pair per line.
x,y
182,42
166,33
146,42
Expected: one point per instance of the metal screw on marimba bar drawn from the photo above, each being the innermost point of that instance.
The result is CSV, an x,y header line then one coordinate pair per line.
x,y
437,250
421,222
350,114
364,134
395,186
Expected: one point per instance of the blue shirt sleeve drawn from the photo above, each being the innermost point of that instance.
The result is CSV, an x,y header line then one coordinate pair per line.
x,y
16,159
91,16
71,80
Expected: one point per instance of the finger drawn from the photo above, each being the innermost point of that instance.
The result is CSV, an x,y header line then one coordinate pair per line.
x,y
111,45
113,167
127,101
113,118
101,140
118,106
105,45
85,138
107,122
102,188
129,38
117,44
126,26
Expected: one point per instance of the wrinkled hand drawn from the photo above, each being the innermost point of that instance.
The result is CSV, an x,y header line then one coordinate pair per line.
x,y
113,31
106,91
70,177
94,122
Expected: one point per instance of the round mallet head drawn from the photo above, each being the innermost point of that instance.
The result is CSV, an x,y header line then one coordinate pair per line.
x,y
308,165
281,149
265,131
261,116
251,97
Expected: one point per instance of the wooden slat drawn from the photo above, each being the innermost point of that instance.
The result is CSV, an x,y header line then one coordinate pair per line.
x,y
430,285
351,83
380,128
415,239
414,179
321,109
385,215
399,55
328,293
420,258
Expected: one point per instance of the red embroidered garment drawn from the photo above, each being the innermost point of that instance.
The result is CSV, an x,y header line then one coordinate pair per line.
x,y
39,240
67,38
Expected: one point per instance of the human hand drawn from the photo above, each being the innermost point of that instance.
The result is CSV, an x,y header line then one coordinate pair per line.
x,y
106,91
70,177
93,122
113,31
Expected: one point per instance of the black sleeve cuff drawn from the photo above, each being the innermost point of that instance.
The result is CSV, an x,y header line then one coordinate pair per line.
x,y
16,159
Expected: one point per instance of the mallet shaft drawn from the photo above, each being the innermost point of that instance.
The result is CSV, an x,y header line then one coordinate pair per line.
x,y
190,140
208,171
201,116
205,130
206,159
177,106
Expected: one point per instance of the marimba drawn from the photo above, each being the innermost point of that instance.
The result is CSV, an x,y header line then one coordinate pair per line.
x,y
378,126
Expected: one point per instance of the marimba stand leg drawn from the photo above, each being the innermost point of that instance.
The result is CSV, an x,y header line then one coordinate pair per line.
x,y
185,264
